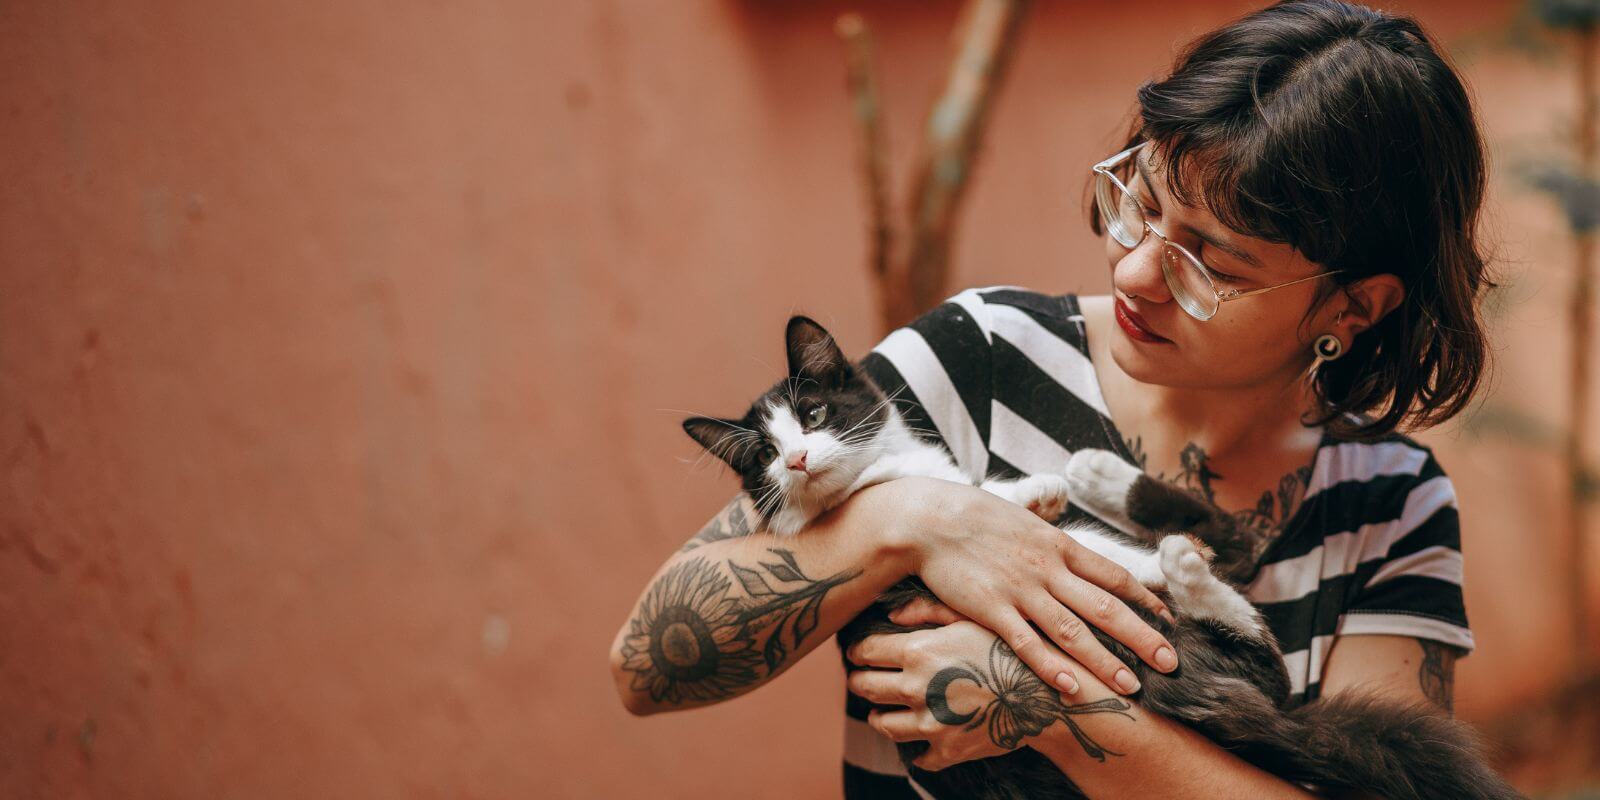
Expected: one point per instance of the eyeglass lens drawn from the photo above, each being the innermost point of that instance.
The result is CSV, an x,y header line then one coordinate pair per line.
x,y
1124,220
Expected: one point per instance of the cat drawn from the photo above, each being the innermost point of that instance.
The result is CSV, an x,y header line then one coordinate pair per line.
x,y
827,430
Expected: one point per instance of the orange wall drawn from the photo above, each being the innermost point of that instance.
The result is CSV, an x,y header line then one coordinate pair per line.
x,y
343,348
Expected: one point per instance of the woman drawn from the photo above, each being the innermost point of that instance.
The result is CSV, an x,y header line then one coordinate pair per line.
x,y
1291,241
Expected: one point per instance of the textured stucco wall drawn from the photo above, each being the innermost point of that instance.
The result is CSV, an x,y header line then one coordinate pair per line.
x,y
343,346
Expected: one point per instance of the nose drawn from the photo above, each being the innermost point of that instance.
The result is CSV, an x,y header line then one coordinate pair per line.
x,y
1138,272
797,461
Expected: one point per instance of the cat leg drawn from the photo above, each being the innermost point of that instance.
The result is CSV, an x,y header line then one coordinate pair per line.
x,y
1142,562
1200,594
1043,494
1100,483
1145,508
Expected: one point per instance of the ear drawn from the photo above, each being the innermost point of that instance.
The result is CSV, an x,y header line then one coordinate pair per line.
x,y
719,436
1365,303
813,354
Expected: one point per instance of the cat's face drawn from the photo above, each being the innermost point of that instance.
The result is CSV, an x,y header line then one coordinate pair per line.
x,y
809,436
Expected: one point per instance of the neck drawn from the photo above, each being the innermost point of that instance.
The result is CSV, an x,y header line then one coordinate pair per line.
x,y
1240,422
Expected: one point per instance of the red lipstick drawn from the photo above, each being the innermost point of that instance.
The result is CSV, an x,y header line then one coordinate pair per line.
x,y
1135,326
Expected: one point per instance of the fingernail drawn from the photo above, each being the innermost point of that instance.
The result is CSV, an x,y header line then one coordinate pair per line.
x,y
1166,660
1127,682
1167,615
1067,683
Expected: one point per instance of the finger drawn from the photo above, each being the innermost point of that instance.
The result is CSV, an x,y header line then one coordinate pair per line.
x,y
899,726
1112,577
882,686
1040,656
1070,632
933,761
924,611
877,650
1105,611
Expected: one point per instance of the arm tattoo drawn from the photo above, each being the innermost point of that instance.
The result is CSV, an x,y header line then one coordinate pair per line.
x,y
694,638
1438,673
1023,706
730,523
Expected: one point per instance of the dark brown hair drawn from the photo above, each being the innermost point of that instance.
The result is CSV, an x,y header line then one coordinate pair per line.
x,y
1342,131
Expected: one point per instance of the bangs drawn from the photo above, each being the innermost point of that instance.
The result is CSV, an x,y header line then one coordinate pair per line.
x,y
1254,184
1315,149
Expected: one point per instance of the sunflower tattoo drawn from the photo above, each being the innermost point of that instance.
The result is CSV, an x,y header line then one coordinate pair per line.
x,y
694,639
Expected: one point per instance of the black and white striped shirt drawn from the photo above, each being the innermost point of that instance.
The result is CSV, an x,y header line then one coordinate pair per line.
x,y
1003,377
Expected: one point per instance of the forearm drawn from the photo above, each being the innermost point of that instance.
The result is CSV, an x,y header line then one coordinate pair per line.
x,y
736,608
1146,754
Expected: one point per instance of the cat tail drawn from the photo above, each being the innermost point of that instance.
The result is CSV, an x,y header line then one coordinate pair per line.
x,y
1359,741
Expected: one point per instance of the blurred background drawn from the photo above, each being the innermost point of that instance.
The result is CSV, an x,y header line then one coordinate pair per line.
x,y
343,348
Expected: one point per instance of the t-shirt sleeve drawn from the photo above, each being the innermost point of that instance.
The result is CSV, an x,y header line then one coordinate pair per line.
x,y
938,371
1415,589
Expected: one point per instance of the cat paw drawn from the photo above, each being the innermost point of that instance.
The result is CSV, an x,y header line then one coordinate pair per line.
x,y
1181,561
1100,480
1045,495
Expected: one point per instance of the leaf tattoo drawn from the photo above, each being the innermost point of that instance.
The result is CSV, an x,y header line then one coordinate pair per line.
x,y
1438,673
695,639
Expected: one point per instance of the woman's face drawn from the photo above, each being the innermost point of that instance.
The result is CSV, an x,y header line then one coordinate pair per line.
x,y
1250,341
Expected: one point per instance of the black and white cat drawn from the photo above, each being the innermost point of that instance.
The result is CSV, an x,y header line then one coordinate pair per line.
x,y
827,430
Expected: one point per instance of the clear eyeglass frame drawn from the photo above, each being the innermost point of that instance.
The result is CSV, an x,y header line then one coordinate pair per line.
x,y
1191,282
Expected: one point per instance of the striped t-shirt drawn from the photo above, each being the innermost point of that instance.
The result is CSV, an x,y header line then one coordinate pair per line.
x,y
1002,377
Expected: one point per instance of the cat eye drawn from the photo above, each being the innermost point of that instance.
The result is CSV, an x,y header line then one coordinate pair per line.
x,y
816,415
767,453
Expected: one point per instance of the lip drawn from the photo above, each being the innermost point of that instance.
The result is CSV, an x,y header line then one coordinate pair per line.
x,y
1135,326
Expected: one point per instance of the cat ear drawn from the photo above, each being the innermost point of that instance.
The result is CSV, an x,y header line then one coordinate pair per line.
x,y
814,354
719,436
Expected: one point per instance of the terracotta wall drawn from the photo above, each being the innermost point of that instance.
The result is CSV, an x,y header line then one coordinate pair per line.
x,y
343,348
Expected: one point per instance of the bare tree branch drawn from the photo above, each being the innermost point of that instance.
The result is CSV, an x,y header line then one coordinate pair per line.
x,y
983,43
867,105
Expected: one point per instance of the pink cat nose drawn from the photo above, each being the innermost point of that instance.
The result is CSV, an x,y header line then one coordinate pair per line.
x,y
798,461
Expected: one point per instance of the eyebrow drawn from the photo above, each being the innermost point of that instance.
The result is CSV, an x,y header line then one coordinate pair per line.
x,y
1226,247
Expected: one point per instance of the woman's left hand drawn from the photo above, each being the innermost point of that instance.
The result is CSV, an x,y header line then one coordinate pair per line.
x,y
964,691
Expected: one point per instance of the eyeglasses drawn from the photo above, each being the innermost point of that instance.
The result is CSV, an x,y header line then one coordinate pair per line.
x,y
1192,283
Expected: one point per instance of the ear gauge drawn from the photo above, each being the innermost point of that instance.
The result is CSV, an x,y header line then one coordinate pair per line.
x,y
1326,348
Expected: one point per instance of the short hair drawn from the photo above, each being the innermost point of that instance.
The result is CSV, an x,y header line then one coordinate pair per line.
x,y
1344,132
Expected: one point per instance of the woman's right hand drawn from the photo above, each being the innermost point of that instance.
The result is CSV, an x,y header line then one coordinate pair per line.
x,y
1002,567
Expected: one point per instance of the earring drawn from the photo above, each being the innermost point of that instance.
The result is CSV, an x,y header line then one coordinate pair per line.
x,y
1327,348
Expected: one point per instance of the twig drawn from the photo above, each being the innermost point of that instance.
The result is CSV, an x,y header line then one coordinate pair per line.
x,y
1582,322
865,102
983,43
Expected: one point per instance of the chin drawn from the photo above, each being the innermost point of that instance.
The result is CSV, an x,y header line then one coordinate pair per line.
x,y
1139,363
1159,366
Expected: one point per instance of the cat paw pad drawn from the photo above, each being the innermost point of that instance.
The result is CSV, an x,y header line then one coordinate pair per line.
x,y
1044,495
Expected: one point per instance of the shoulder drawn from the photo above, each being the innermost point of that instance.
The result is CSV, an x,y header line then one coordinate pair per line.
x,y
1392,501
1393,465
1381,500
978,315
